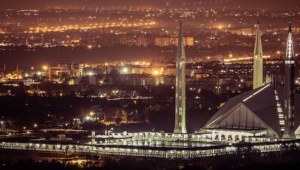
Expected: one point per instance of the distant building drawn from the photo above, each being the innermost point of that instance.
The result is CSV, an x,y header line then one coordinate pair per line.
x,y
66,69
242,31
169,41
134,41
138,80
30,82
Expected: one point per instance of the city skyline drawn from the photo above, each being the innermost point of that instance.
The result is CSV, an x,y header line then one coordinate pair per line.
x,y
210,35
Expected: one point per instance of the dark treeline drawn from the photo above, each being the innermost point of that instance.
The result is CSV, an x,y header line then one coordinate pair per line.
x,y
157,113
287,160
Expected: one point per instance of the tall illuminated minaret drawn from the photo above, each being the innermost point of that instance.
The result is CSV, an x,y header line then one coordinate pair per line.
x,y
289,88
180,106
258,60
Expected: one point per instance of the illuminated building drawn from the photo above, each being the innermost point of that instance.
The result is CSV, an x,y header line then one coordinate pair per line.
x,y
258,61
30,82
180,105
250,111
169,41
134,41
267,111
67,69
289,88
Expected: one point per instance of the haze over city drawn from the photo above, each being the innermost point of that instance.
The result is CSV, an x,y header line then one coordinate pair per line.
x,y
93,4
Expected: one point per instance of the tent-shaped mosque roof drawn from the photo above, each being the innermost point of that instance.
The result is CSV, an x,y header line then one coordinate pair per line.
x,y
253,110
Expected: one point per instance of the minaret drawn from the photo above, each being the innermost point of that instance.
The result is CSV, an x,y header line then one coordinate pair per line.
x,y
289,88
258,60
180,106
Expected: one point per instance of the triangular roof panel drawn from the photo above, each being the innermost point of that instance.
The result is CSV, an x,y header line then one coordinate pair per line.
x,y
259,104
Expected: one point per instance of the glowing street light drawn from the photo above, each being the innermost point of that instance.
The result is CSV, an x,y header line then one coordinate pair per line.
x,y
90,47
157,72
45,67
88,118
220,26
125,70
90,73
115,92
92,113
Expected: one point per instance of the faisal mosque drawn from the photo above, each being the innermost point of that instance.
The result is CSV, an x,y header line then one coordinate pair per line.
x,y
265,117
267,111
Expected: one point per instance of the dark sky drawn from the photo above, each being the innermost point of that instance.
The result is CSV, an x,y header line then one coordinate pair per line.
x,y
248,4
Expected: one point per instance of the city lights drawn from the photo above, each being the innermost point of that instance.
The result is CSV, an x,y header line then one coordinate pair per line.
x,y
142,84
90,73
87,118
92,113
125,70
90,47
220,27
157,71
64,28
45,67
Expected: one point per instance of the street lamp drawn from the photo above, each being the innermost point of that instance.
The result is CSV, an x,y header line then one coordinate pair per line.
x,y
87,118
125,70
2,124
45,67
92,113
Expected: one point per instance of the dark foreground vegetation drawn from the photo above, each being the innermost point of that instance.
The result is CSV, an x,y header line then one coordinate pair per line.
x,y
283,160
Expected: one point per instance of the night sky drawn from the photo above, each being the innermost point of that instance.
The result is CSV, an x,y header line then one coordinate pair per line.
x,y
247,4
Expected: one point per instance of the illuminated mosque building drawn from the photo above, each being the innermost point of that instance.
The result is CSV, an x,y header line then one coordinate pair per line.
x,y
267,111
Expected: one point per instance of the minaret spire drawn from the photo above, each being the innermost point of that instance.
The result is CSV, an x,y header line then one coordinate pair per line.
x,y
180,98
258,60
289,88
